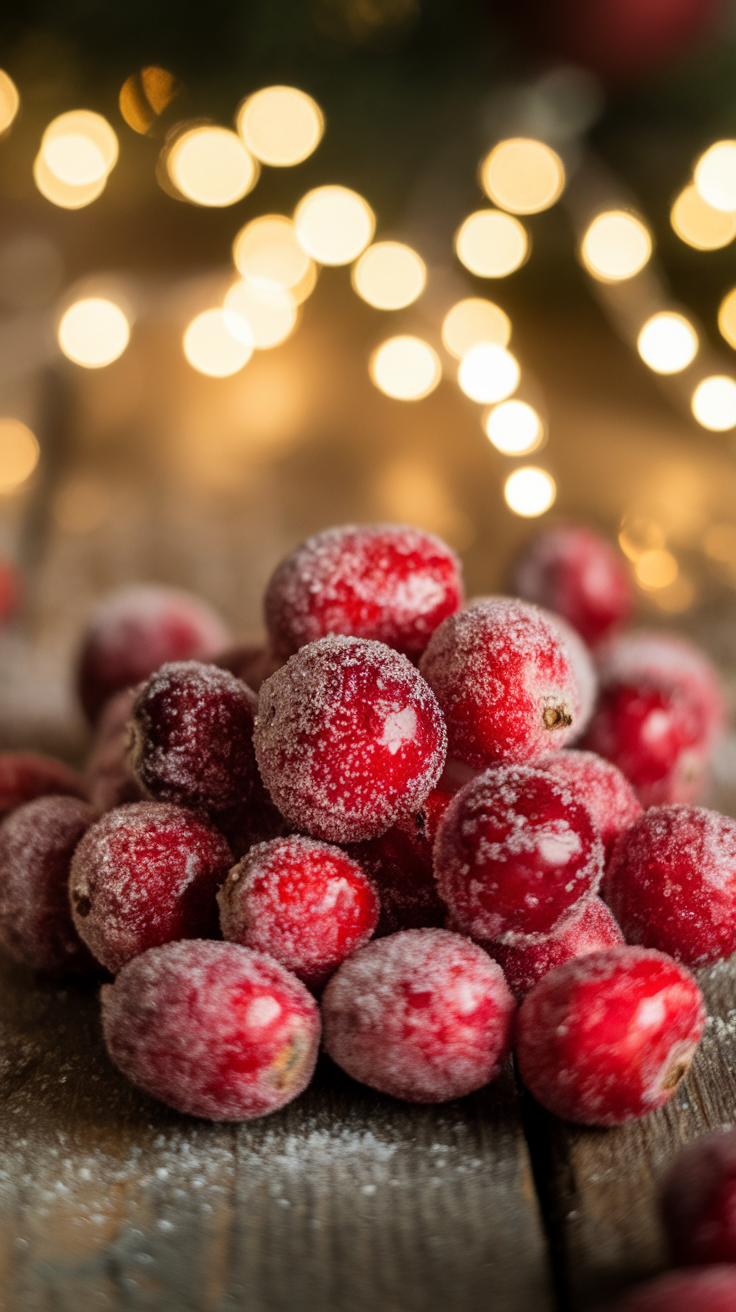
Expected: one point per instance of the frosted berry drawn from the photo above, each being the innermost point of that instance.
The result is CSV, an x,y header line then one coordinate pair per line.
x,y
577,573
588,927
514,851
423,1015
504,682
698,1202
712,1289
668,661
605,791
671,883
108,775
212,1029
607,1037
144,875
250,663
27,775
135,630
348,738
36,846
386,582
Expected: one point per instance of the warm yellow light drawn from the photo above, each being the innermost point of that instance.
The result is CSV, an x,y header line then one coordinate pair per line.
x,y
79,147
9,101
656,569
210,166
94,332
303,289
281,125
699,224
676,598
719,542
491,244
715,175
270,313
473,321
212,348
523,175
727,318
405,368
714,403
638,535
529,491
19,453
144,96
616,246
266,251
62,193
514,428
667,342
334,224
389,275
488,373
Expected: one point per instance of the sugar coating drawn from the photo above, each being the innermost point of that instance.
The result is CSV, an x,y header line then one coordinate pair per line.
x,y
388,582
212,1029
605,791
514,851
136,629
504,681
697,1199
712,1289
305,903
423,1015
667,660
144,875
671,883
37,842
577,573
27,775
109,778
348,738
605,1038
588,927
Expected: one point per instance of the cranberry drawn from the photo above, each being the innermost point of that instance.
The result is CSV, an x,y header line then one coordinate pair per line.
x,y
135,630
423,1015
212,1029
143,875
514,851
250,663
577,573
667,661
110,779
348,738
607,1037
386,582
588,927
605,791
26,775
671,883
504,682
36,846
712,1289
698,1202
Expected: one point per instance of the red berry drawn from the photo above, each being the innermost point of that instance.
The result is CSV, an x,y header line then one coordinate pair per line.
x,y
348,738
607,1037
504,683
250,663
36,846
423,1015
670,662
144,875
10,590
27,775
671,883
605,791
577,573
212,1029
514,851
110,780
386,582
137,629
304,903
698,1202
588,927
712,1289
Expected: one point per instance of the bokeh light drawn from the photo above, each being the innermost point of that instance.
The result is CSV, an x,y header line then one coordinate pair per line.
x,y
62,193
93,332
303,289
19,454
9,101
281,126
212,348
389,275
266,251
639,534
79,147
488,373
715,175
676,597
714,403
699,224
656,569
514,428
667,342
491,244
334,224
210,166
529,491
270,313
472,321
145,96
719,543
406,368
727,318
523,175
616,246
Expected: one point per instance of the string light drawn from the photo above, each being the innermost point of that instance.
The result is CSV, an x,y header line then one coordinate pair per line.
x,y
405,368
472,321
267,252
667,342
281,126
62,193
488,373
19,454
523,176
211,346
699,224
210,166
514,428
656,569
269,314
714,403
334,224
491,244
727,318
715,175
93,332
616,246
389,275
306,284
529,491
9,101
80,148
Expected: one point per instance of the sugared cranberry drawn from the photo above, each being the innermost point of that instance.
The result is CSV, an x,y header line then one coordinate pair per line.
x,y
588,927
577,573
137,629
671,883
250,663
387,582
605,791
698,1202
504,682
514,851
668,661
36,846
27,775
212,1029
423,1015
144,875
110,780
607,1037
348,738
303,902
712,1289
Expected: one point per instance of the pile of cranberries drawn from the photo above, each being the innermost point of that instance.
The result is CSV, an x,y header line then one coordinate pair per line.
x,y
375,833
